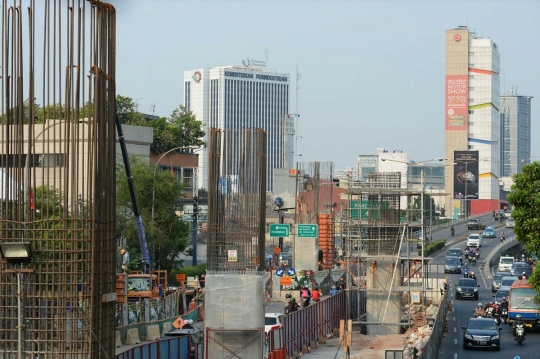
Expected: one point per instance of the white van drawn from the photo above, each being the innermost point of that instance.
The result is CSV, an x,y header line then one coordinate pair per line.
x,y
505,263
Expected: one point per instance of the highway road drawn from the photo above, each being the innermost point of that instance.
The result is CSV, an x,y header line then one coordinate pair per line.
x,y
452,344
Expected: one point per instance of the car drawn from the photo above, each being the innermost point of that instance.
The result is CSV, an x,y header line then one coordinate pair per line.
x,y
499,215
496,283
481,333
505,263
502,292
508,281
474,240
467,288
508,213
452,264
489,232
272,321
518,267
510,222
455,252
520,271
474,224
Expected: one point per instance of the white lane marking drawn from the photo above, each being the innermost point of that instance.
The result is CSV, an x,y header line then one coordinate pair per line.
x,y
454,318
484,279
455,341
455,355
455,330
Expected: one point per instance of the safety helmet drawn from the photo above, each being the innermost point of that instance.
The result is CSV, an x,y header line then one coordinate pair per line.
x,y
518,316
479,305
496,302
333,287
523,273
288,296
503,298
122,251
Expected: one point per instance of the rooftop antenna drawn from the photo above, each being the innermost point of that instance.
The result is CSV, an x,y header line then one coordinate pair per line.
x,y
153,108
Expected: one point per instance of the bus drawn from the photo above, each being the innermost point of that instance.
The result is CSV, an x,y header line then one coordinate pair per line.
x,y
521,301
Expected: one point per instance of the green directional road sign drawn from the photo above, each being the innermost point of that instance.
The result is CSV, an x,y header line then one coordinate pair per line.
x,y
279,230
308,230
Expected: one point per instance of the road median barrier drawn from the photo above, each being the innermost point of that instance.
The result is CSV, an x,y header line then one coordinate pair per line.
x,y
494,255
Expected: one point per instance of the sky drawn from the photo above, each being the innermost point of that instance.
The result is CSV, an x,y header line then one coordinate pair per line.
x,y
372,72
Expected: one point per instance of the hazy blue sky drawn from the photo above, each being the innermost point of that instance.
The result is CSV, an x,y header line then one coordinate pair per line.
x,y
372,71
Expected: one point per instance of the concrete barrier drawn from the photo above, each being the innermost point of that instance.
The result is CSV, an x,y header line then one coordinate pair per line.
x,y
152,332
494,255
133,336
118,341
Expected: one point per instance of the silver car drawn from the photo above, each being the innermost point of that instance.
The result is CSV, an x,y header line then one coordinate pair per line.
x,y
510,222
496,284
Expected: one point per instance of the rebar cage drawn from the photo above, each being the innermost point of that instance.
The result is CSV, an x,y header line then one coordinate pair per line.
x,y
236,200
57,183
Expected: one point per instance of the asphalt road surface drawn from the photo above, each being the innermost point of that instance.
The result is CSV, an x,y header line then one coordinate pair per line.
x,y
452,343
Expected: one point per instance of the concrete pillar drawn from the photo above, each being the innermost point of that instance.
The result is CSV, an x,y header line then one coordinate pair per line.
x,y
378,283
305,253
234,314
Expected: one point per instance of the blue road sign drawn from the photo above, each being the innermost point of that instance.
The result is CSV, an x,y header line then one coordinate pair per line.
x,y
291,272
279,272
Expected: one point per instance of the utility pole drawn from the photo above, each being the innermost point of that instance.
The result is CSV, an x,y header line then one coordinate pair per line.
x,y
194,228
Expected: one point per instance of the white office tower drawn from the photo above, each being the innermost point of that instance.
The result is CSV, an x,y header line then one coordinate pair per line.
x,y
233,98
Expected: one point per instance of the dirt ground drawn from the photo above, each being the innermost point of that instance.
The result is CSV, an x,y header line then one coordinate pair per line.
x,y
373,346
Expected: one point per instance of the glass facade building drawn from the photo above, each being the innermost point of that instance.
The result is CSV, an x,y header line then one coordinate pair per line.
x,y
235,98
515,133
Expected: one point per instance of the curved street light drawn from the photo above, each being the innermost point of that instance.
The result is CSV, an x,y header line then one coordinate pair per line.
x,y
195,147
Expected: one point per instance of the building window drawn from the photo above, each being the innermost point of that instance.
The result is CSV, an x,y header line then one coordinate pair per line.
x,y
471,112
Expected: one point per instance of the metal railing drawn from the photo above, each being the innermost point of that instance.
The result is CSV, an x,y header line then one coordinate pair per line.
x,y
307,326
178,347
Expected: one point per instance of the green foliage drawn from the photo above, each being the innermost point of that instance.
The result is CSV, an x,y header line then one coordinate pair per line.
x,y
166,234
181,129
128,111
191,271
432,247
525,201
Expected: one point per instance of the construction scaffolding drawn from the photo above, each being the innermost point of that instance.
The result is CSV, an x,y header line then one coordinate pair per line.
x,y
57,189
382,222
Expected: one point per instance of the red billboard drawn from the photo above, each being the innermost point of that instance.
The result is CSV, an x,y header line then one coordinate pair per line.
x,y
457,102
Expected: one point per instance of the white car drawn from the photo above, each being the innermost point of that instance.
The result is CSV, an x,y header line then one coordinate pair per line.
x,y
474,240
272,321
510,222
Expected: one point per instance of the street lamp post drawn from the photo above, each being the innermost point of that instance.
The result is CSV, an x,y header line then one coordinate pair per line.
x,y
156,167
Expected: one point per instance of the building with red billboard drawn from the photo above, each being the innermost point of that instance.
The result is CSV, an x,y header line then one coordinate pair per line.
x,y
472,123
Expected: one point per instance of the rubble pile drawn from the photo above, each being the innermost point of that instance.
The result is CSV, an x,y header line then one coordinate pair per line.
x,y
416,340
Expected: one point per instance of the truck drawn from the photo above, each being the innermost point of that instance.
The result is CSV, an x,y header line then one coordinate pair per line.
x,y
475,224
142,286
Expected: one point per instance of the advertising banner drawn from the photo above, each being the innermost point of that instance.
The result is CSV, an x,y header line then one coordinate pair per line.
x,y
466,174
457,102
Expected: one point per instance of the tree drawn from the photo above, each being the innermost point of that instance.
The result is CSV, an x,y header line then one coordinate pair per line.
x,y
525,201
128,111
166,233
181,129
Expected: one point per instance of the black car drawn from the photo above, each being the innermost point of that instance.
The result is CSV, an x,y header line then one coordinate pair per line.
x,y
481,333
467,288
452,264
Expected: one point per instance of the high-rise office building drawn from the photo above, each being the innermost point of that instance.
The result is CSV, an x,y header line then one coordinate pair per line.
x,y
472,119
234,98
515,133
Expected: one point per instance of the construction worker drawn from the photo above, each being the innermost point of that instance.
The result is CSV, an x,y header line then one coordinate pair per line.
x,y
125,259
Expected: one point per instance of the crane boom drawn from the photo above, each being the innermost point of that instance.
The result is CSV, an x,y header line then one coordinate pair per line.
x,y
145,259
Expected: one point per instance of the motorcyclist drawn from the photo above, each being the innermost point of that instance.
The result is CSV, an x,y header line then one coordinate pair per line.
x,y
316,294
477,253
452,230
472,275
523,275
479,311
502,237
292,305
466,252
517,322
471,254
305,293
341,284
504,303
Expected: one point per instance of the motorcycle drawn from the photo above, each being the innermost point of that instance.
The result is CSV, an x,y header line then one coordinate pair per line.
x,y
473,261
504,315
306,302
496,317
502,237
452,231
466,272
520,334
